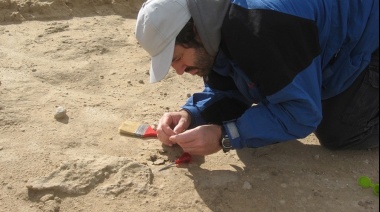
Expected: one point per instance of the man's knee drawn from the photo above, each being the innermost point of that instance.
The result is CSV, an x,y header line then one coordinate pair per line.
x,y
328,140
336,141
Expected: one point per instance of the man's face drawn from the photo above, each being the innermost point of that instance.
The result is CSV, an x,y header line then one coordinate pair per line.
x,y
195,61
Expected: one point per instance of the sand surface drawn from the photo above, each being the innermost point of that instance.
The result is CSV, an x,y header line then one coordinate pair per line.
x,y
82,55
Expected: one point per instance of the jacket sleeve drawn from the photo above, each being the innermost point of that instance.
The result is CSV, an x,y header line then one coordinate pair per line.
x,y
291,113
220,100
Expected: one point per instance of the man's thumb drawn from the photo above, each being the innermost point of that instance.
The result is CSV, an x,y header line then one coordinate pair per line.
x,y
173,138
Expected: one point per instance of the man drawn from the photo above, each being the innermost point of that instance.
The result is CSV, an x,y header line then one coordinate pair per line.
x,y
273,70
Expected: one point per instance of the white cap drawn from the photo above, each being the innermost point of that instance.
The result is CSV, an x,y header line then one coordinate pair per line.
x,y
158,24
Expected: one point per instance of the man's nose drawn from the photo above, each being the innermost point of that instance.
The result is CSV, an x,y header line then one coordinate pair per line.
x,y
179,68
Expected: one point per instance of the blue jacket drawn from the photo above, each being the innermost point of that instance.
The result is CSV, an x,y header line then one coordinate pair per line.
x,y
277,60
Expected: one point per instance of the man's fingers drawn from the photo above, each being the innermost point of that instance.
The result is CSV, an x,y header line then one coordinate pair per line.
x,y
169,125
187,142
183,138
163,134
180,127
167,130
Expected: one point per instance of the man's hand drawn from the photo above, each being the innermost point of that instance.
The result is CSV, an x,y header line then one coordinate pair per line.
x,y
203,140
171,124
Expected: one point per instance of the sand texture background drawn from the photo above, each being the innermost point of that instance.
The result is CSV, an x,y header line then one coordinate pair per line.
x,y
82,55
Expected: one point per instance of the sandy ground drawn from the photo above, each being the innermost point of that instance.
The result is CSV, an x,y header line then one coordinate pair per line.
x,y
82,55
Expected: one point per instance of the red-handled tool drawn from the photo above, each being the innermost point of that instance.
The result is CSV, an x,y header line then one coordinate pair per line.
x,y
185,158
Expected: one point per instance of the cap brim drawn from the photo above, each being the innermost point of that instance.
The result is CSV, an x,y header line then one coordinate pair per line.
x,y
160,64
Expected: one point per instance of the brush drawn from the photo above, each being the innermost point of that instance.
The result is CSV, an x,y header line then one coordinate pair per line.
x,y
137,129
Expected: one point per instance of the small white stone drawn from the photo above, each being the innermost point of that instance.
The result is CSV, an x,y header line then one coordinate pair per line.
x,y
60,112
